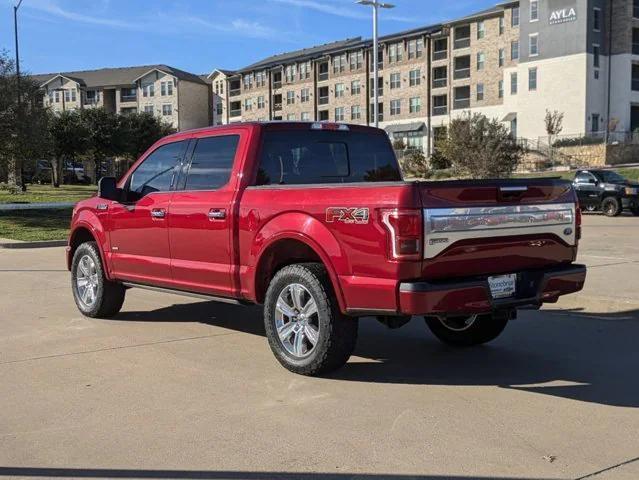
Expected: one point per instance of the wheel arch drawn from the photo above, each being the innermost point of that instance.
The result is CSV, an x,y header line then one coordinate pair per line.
x,y
84,230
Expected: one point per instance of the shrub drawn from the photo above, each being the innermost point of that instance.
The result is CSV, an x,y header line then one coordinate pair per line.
x,y
414,164
577,141
438,161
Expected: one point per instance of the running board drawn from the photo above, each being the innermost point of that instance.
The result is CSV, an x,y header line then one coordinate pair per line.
x,y
202,296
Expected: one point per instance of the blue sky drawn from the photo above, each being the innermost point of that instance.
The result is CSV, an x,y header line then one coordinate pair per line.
x,y
196,35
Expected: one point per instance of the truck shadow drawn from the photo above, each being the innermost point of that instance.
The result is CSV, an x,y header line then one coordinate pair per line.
x,y
591,357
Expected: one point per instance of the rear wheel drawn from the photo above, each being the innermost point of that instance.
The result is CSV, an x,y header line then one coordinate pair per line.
x,y
468,330
611,207
635,211
305,328
94,295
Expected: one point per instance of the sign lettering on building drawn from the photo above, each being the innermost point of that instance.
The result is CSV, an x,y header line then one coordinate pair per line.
x,y
563,15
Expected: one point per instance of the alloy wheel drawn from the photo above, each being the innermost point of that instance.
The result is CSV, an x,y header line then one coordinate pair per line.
x,y
297,320
87,281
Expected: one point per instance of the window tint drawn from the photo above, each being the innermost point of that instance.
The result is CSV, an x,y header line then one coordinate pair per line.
x,y
584,177
307,157
211,162
155,173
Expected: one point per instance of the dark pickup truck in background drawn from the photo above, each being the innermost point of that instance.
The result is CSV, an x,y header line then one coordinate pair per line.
x,y
606,191
314,221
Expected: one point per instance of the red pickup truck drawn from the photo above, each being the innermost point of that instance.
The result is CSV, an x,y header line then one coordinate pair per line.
x,y
314,221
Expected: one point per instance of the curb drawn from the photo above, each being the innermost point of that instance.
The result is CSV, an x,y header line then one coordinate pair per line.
x,y
43,244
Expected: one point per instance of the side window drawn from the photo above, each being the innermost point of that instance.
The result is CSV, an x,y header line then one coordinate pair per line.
x,y
155,173
583,177
211,162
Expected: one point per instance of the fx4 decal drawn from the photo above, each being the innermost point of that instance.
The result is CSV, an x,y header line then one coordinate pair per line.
x,y
358,215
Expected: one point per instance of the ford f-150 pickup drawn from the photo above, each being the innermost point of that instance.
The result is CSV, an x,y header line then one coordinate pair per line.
x,y
314,222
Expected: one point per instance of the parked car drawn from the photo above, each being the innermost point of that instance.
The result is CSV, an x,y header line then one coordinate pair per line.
x,y
314,222
606,191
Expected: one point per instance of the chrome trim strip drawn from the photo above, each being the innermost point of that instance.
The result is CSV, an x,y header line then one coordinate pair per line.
x,y
444,227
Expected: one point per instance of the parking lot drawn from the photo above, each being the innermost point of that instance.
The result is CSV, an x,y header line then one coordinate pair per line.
x,y
181,388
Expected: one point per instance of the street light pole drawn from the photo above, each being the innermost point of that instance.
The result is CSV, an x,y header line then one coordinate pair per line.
x,y
375,4
15,30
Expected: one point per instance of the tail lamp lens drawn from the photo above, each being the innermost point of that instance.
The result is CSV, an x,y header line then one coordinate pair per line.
x,y
404,227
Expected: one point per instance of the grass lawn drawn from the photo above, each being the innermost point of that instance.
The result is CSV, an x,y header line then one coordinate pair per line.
x,y
46,193
32,225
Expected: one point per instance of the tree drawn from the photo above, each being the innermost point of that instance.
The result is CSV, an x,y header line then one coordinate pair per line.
x,y
414,164
68,138
139,131
103,134
554,122
480,148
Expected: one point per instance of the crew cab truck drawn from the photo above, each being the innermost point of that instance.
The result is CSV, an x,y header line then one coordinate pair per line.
x,y
314,221
606,191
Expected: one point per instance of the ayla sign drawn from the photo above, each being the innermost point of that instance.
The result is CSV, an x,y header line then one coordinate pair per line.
x,y
562,16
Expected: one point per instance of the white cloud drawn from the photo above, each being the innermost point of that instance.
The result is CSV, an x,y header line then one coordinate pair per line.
x,y
53,8
340,10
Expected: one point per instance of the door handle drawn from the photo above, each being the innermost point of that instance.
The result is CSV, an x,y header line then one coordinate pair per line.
x,y
158,213
217,214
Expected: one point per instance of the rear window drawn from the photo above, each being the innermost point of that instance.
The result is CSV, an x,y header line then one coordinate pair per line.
x,y
297,157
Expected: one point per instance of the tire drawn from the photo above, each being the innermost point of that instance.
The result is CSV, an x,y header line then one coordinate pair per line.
x,y
312,343
611,207
100,298
467,331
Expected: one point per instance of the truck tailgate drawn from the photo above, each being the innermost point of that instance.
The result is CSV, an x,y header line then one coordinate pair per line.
x,y
497,226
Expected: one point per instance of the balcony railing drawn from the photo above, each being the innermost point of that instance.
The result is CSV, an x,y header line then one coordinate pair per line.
x,y
440,55
443,110
234,92
635,84
128,98
461,103
277,106
635,48
322,76
439,82
322,100
462,43
236,113
461,73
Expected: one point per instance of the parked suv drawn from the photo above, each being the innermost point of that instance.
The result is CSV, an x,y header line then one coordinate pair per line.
x,y
606,191
314,221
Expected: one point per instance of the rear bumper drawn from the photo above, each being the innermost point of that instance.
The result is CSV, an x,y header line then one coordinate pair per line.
x,y
533,288
628,202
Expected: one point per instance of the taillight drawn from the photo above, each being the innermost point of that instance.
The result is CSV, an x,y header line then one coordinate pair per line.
x,y
577,221
404,228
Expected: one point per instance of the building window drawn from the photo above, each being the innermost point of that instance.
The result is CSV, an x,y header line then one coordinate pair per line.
x,y
322,115
248,81
290,72
481,60
74,95
339,63
635,77
533,45
461,97
414,77
339,90
596,19
395,52
514,50
167,110
305,95
439,77
534,10
148,90
290,117
260,79
502,57
305,117
635,41
595,55
166,88
148,109
481,29
339,114
305,70
635,8
594,122
500,89
357,60
395,107
395,81
480,92
260,101
67,95
415,48
414,104
532,79
290,97
57,96
502,25
440,104
415,140
356,112
514,16
356,87
440,49
513,83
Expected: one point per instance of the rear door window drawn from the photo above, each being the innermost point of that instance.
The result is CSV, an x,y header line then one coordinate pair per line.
x,y
211,162
296,157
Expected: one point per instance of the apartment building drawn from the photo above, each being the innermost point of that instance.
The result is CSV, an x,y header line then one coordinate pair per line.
x,y
217,79
178,97
511,62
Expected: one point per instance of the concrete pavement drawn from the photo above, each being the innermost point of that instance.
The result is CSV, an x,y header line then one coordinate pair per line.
x,y
176,388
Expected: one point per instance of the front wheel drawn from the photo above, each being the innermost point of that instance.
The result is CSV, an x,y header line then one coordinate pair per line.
x,y
611,207
94,295
305,328
467,331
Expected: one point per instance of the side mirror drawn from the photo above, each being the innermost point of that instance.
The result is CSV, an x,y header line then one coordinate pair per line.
x,y
108,190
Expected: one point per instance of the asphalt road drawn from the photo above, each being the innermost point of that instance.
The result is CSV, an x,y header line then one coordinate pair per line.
x,y
175,388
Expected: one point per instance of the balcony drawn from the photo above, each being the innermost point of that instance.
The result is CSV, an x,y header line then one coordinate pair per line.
x,y
235,92
462,37
277,106
441,110
322,76
635,84
461,103
440,82
322,100
128,98
236,112
461,73
440,55
462,43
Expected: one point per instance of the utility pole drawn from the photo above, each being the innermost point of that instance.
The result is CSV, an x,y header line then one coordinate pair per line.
x,y
15,30
375,4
